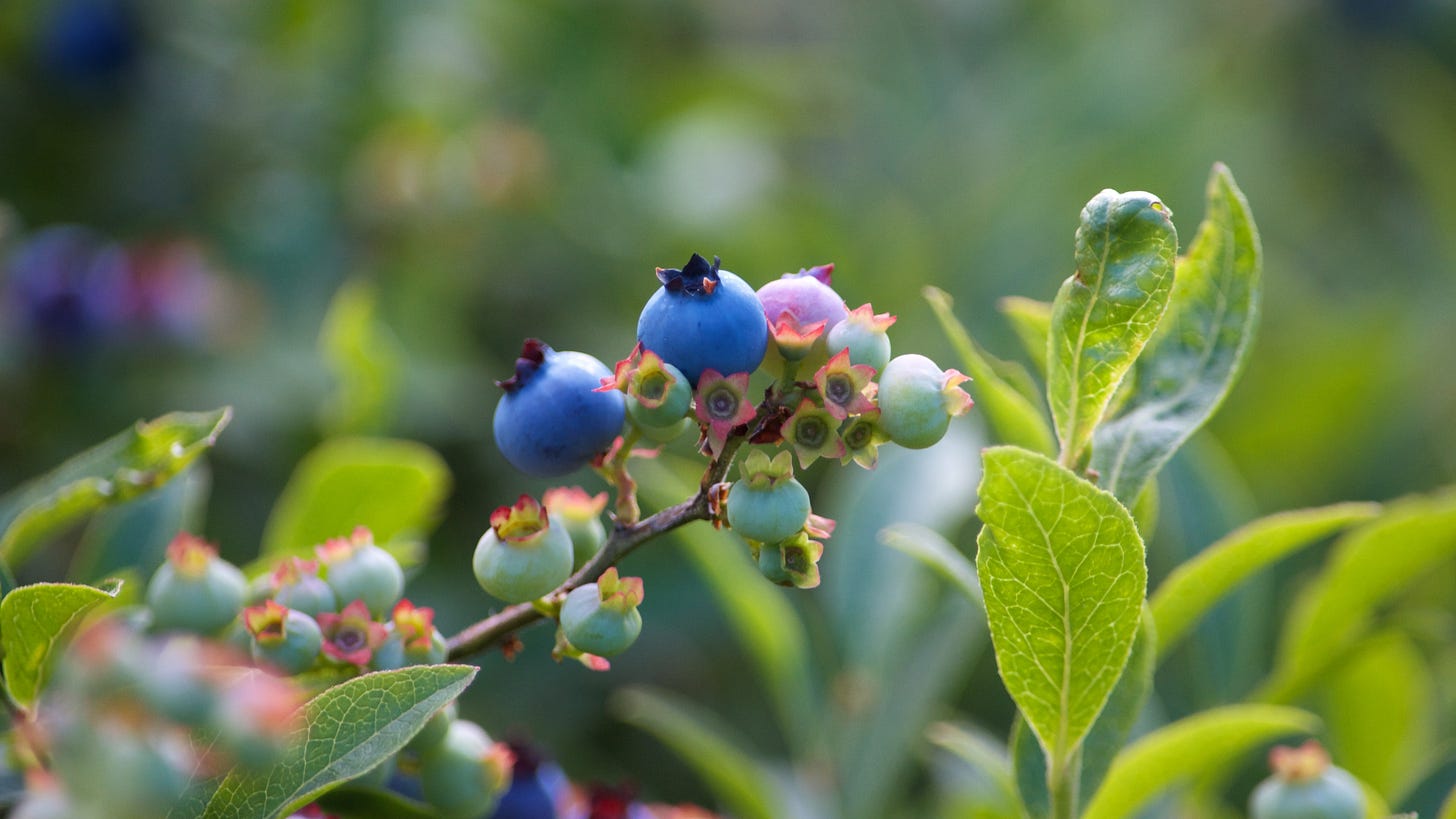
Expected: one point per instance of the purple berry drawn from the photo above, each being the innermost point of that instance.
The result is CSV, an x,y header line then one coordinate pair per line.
x,y
704,318
552,419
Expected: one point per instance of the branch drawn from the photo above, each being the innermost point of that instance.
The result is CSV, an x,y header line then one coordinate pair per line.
x,y
624,539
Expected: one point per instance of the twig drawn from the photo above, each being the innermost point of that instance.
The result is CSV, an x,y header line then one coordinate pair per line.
x,y
624,539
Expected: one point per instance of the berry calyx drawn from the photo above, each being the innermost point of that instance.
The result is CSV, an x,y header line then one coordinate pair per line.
x,y
351,636
767,504
523,555
1306,786
552,419
722,404
846,388
793,562
357,569
194,590
862,436
284,638
704,318
813,432
917,400
601,618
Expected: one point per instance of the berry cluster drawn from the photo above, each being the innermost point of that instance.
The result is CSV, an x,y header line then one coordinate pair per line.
x,y
311,620
831,389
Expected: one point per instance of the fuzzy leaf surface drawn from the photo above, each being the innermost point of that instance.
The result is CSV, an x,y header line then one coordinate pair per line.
x,y
1063,573
347,730
1199,348
123,467
1105,313
35,620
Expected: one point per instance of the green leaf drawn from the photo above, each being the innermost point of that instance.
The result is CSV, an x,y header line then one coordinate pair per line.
x,y
739,782
1367,567
134,535
1105,313
34,622
927,546
394,487
1196,585
1062,570
985,783
360,802
117,470
1032,321
364,359
1377,707
1199,348
1187,748
1003,390
1108,733
347,730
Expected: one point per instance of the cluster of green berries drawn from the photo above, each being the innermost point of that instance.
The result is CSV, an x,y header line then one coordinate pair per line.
x,y
531,549
128,719
1305,785
834,390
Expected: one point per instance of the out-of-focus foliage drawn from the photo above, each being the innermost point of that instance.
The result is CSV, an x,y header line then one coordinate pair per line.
x,y
186,186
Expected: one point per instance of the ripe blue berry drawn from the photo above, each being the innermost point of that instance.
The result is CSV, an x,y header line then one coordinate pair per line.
x,y
767,504
704,318
356,569
601,618
466,773
1306,786
537,787
524,554
552,419
917,400
195,590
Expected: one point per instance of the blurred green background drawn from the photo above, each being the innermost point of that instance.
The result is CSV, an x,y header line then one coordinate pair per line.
x,y
187,185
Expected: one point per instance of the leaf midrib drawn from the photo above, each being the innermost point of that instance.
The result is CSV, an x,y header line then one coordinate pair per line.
x,y
1076,396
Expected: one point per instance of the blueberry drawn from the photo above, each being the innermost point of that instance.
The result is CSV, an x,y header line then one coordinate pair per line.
x,y
798,305
1306,786
917,400
524,554
552,420
767,504
195,590
464,775
357,569
704,318
285,639
601,618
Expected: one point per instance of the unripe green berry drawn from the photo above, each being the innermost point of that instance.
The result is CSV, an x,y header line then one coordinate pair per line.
x,y
523,555
357,569
466,773
767,504
863,334
580,515
917,400
435,730
1306,786
194,590
283,638
412,639
601,618
297,585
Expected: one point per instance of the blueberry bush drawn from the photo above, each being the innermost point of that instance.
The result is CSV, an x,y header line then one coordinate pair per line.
x,y
160,679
